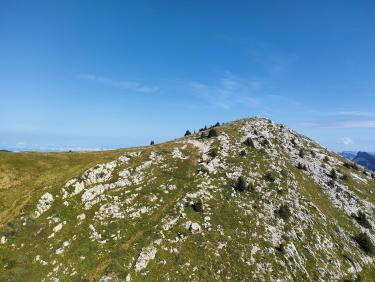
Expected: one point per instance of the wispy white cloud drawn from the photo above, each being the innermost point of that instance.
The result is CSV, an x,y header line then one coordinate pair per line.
x,y
124,84
347,141
352,113
284,99
228,91
264,54
355,124
343,124
273,63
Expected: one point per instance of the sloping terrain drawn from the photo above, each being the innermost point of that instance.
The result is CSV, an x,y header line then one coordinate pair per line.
x,y
23,176
247,200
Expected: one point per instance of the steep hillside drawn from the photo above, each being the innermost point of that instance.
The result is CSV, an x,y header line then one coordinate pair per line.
x,y
248,200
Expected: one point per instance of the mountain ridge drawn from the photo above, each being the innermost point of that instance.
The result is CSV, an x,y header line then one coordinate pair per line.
x,y
364,159
249,198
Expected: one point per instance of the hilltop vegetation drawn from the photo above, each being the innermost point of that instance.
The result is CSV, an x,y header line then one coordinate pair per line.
x,y
246,200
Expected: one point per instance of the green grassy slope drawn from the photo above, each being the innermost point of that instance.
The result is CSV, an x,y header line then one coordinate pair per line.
x,y
24,176
172,211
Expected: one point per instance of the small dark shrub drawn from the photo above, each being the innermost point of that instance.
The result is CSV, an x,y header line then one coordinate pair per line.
x,y
347,165
326,159
198,206
361,218
203,135
283,212
302,166
187,133
269,176
240,185
331,183
284,173
345,177
350,165
333,174
301,153
249,142
212,133
243,153
373,175
365,173
203,129
280,248
203,169
213,153
217,124
255,132
313,154
265,142
365,243
293,141
152,142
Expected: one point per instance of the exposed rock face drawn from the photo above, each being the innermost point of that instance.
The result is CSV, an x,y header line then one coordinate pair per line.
x,y
193,227
173,211
145,256
44,204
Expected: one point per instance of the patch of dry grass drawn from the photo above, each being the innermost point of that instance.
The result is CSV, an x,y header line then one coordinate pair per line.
x,y
24,176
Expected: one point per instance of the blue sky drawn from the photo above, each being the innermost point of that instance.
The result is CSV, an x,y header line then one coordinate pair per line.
x,y
105,74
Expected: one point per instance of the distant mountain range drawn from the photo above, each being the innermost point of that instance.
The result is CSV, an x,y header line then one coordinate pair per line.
x,y
350,155
362,158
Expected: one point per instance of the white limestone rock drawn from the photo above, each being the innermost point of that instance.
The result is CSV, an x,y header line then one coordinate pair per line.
x,y
144,258
177,154
3,240
44,204
193,227
57,228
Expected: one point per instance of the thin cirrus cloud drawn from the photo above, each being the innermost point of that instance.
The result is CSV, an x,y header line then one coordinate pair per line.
x,y
227,91
343,124
124,84
355,124
352,113
347,141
